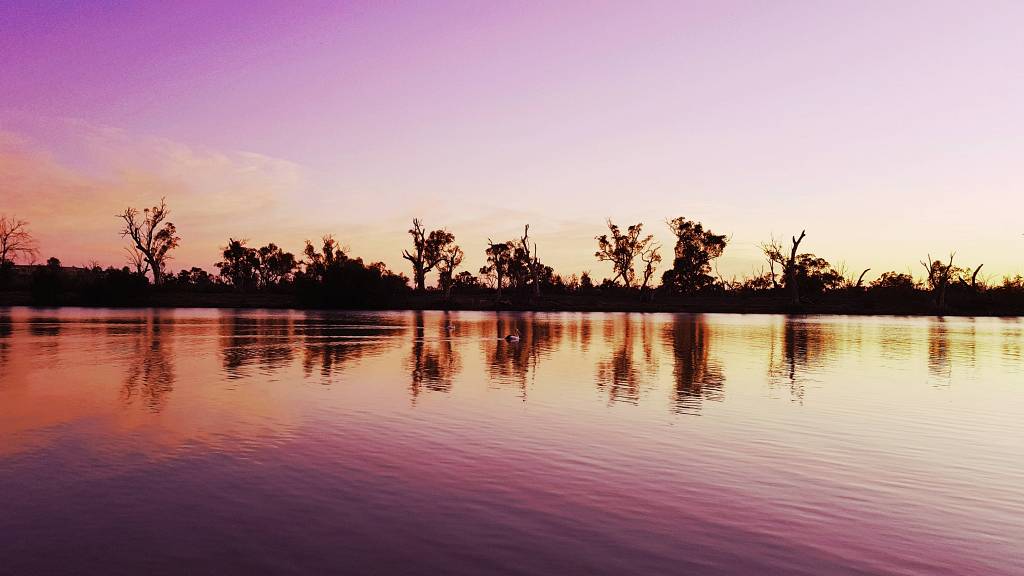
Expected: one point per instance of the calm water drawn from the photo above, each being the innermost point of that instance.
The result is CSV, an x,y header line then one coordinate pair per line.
x,y
207,441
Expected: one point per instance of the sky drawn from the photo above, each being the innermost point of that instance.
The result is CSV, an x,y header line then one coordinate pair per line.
x,y
887,130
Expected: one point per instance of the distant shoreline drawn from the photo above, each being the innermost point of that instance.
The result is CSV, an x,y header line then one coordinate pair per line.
x,y
432,301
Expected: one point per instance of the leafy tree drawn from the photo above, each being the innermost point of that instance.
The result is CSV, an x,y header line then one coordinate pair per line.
x,y
939,277
151,235
695,250
500,262
319,263
586,282
240,264
894,281
621,248
331,279
815,275
274,265
450,259
758,282
194,278
465,279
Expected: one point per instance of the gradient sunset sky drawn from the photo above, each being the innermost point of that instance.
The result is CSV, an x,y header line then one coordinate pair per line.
x,y
887,129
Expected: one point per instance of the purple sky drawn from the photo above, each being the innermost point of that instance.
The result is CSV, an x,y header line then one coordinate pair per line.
x,y
888,130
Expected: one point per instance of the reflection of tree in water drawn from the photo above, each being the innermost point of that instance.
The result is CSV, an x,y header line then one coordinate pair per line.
x,y
897,341
1011,345
47,331
578,330
433,362
698,376
6,330
940,366
949,344
330,342
509,364
247,340
623,374
150,376
804,346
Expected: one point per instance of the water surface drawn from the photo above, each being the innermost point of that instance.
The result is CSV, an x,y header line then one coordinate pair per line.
x,y
206,441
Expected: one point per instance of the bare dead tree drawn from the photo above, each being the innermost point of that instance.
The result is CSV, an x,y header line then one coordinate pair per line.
x,y
136,260
792,272
151,235
773,254
532,261
860,279
974,277
16,242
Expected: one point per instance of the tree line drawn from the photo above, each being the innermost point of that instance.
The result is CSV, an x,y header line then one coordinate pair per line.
x,y
325,275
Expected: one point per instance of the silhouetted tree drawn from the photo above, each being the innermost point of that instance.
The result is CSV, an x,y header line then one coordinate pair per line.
x,y
695,250
531,261
974,286
194,278
465,279
151,235
651,256
427,251
815,275
274,265
499,260
16,242
621,249
240,264
860,279
450,259
332,279
939,276
318,263
773,254
137,260
792,270
894,281
586,282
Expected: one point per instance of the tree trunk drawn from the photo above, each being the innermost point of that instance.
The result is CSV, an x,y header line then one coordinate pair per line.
x,y
791,271
791,285
860,280
421,280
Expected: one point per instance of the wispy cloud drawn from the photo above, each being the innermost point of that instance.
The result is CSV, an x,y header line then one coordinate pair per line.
x,y
72,195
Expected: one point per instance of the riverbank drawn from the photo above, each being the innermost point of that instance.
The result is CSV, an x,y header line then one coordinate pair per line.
x,y
841,304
